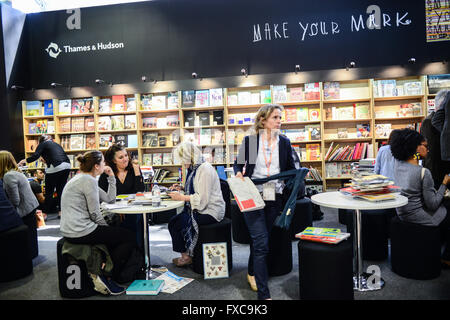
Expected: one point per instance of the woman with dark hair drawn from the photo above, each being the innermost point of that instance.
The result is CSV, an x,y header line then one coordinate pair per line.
x,y
425,204
82,221
56,173
129,180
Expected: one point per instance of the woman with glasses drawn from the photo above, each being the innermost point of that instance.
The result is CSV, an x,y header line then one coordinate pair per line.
x,y
426,205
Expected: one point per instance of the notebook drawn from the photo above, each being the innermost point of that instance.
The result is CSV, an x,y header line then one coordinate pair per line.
x,y
145,287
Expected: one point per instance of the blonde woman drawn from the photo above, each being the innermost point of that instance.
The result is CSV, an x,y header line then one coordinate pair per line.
x,y
20,195
261,155
203,198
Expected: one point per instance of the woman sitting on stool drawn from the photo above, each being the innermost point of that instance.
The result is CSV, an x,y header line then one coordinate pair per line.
x,y
203,198
425,205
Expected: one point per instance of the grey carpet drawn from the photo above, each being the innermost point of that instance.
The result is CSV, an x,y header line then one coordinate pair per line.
x,y
43,282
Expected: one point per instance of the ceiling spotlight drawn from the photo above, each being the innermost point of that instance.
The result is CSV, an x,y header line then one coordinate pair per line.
x,y
54,84
412,60
352,64
144,78
297,68
244,72
14,87
99,81
194,75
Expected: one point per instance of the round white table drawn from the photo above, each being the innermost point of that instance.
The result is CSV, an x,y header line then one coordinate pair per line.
x,y
337,200
166,205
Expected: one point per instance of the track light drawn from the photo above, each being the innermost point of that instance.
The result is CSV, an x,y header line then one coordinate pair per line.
x,y
194,75
352,64
14,87
244,72
144,78
99,81
412,60
297,68
54,84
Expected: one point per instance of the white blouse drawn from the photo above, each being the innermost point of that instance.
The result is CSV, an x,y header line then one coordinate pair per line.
x,y
208,198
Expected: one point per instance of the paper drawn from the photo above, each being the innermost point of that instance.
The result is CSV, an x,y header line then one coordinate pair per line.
x,y
172,282
247,196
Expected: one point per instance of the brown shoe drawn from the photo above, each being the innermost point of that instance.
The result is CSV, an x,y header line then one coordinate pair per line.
x,y
252,282
180,262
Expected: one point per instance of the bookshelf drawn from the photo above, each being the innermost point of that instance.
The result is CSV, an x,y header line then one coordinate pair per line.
x,y
330,124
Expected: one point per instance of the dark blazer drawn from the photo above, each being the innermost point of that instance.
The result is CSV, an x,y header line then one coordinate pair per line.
x,y
52,153
9,218
441,121
248,153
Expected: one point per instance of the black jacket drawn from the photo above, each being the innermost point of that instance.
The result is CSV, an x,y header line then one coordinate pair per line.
x,y
248,153
9,218
52,153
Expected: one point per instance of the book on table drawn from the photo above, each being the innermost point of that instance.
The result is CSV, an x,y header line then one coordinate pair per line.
x,y
246,194
325,235
145,287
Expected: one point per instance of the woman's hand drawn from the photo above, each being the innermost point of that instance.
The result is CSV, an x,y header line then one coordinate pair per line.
x,y
239,175
22,163
178,196
175,187
446,180
108,171
136,167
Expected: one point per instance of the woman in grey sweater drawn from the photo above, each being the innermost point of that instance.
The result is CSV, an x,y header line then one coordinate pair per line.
x,y
20,195
426,205
83,223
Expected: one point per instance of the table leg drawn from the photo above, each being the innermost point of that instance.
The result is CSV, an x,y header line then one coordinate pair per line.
x,y
148,269
360,277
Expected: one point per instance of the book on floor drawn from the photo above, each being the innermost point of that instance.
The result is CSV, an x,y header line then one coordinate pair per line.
x,y
325,235
145,287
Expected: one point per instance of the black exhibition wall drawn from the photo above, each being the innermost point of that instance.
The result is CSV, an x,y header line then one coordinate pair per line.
x,y
170,39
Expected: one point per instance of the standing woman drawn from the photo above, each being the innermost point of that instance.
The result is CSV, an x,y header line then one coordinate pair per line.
x,y
56,173
129,180
20,195
264,154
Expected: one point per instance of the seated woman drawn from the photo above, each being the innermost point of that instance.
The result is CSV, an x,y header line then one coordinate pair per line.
x,y
83,223
20,195
128,181
203,198
425,203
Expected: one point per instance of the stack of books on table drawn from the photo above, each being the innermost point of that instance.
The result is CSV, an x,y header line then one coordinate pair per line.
x,y
325,235
364,167
374,187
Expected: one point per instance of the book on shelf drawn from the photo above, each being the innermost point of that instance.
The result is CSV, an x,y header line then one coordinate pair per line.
x,y
65,142
219,155
118,103
32,144
279,93
41,126
313,151
132,141
77,106
363,130
362,111
266,96
204,118
147,159
50,126
104,105
312,91
331,90
172,100
246,194
158,102
104,123
157,159
121,139
32,128
149,122
343,113
188,98
218,117
89,123
324,235
145,287
290,114
33,108
217,136
302,114
202,98
314,114
117,122
382,130
65,124
173,120
65,106
131,103
78,124
88,105
150,139
296,94
167,158
255,98
165,141
216,97
90,141
48,107
232,99
412,88
342,133
204,137
244,97
189,118
314,174
146,101
77,142
313,132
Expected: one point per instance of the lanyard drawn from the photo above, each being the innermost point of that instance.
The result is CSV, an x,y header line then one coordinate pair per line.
x,y
272,147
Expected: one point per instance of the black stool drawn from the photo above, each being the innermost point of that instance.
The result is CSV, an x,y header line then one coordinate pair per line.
x,y
211,233
374,232
279,259
15,256
238,225
325,270
302,217
73,278
415,250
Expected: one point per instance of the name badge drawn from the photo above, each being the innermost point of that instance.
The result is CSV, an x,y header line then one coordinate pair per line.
x,y
269,191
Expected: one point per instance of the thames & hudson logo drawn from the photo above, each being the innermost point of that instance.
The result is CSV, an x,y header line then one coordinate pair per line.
x,y
53,50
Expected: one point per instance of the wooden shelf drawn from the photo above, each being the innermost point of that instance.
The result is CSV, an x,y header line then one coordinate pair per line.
x,y
300,103
158,111
76,115
398,98
331,101
346,120
203,108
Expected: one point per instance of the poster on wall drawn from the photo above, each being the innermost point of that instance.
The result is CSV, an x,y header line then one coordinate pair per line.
x,y
437,15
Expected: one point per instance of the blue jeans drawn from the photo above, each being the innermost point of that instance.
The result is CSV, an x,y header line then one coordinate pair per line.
x,y
260,223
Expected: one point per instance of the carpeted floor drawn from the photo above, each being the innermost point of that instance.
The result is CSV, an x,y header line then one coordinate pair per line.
x,y
43,282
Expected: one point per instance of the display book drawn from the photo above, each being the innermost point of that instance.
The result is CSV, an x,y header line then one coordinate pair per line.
x,y
145,287
325,235
246,194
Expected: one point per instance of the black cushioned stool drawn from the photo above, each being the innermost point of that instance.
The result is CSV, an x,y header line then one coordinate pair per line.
x,y
15,255
73,278
415,250
325,270
238,225
374,232
211,233
302,217
279,259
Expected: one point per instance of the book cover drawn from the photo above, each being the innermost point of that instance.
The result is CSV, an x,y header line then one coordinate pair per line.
x,y
296,94
118,103
162,141
32,128
312,91
314,114
147,159
216,97
189,118
363,130
88,105
331,90
205,137
104,123
204,118
41,126
244,97
105,140
302,114
266,96
342,133
149,122
217,137
121,139
104,105
150,139
218,117
345,113
202,98
173,120
255,98
161,122
33,108
132,141
172,100
246,194
130,121
77,106
158,102
313,151
188,98
90,141
215,260
362,111
167,158
117,122
32,144
48,107
89,124
412,88
145,287
157,159
146,101
65,106
279,93
232,99
131,104
78,124
77,142
290,114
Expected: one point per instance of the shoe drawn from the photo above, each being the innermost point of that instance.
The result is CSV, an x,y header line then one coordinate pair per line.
x,y
113,288
105,286
99,285
180,262
252,282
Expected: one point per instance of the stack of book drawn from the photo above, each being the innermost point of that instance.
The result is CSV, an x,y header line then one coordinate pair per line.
x,y
325,235
374,187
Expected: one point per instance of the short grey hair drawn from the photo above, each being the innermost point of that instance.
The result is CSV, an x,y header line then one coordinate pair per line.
x,y
442,96
187,152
